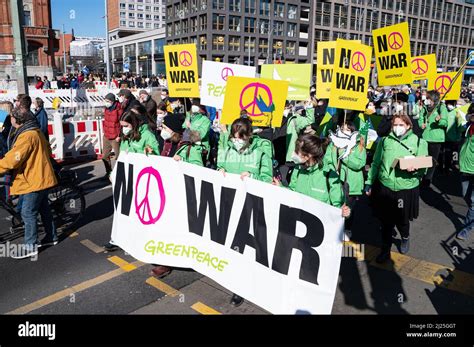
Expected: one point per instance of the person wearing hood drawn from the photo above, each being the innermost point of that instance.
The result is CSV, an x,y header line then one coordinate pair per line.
x,y
111,137
191,150
395,191
466,166
434,121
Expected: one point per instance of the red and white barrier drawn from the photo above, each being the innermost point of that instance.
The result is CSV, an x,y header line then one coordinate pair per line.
x,y
75,139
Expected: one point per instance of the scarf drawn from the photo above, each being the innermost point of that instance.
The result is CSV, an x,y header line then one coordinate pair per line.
x,y
31,124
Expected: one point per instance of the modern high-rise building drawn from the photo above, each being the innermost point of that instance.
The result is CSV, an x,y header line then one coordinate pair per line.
x,y
128,17
42,41
249,32
443,27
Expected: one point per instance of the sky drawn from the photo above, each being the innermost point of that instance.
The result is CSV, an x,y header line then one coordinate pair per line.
x,y
85,16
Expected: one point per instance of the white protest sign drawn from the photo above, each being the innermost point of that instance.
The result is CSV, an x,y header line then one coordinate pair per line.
x,y
276,248
214,80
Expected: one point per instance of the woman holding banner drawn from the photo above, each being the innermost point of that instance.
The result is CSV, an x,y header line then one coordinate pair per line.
x,y
396,191
243,155
315,177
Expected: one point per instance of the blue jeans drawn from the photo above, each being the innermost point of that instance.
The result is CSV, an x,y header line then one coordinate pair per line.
x,y
32,204
468,194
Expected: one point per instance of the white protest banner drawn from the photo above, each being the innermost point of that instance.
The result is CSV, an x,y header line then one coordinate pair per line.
x,y
214,80
276,248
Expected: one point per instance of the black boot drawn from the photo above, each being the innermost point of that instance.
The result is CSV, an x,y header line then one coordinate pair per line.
x,y
236,300
383,257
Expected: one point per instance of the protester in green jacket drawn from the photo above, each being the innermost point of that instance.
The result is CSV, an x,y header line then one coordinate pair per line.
x,y
191,149
198,121
243,155
310,177
433,121
396,191
137,137
466,164
454,132
350,168
297,121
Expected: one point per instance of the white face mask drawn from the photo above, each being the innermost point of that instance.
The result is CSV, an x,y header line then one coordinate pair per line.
x,y
428,102
398,108
121,99
238,144
163,96
126,130
285,113
165,134
108,104
451,107
296,158
399,130
423,97
195,109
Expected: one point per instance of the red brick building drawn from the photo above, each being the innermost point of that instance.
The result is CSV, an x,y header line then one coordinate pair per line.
x,y
42,40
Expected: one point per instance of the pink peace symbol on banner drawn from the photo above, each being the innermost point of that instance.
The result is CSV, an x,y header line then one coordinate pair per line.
x,y
185,58
226,72
358,61
395,40
442,84
419,66
146,213
251,93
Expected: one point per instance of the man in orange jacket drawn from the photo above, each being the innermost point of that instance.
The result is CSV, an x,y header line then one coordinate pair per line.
x,y
32,176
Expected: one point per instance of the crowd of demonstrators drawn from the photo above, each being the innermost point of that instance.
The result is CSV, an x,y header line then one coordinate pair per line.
x,y
80,80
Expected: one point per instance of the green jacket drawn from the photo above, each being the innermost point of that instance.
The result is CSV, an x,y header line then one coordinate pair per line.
x,y
195,154
390,149
351,167
202,124
455,127
466,156
295,124
318,182
147,138
434,131
253,160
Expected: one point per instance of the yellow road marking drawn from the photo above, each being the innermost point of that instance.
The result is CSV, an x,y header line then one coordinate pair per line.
x,y
72,290
162,286
431,273
204,309
92,246
74,234
124,265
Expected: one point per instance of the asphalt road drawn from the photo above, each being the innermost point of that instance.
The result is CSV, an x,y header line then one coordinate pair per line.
x,y
78,277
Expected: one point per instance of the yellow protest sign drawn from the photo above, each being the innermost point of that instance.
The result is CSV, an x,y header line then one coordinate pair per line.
x,y
442,82
182,70
423,67
263,99
393,55
325,56
351,75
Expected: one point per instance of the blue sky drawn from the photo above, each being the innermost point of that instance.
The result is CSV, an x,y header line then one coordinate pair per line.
x,y
85,16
